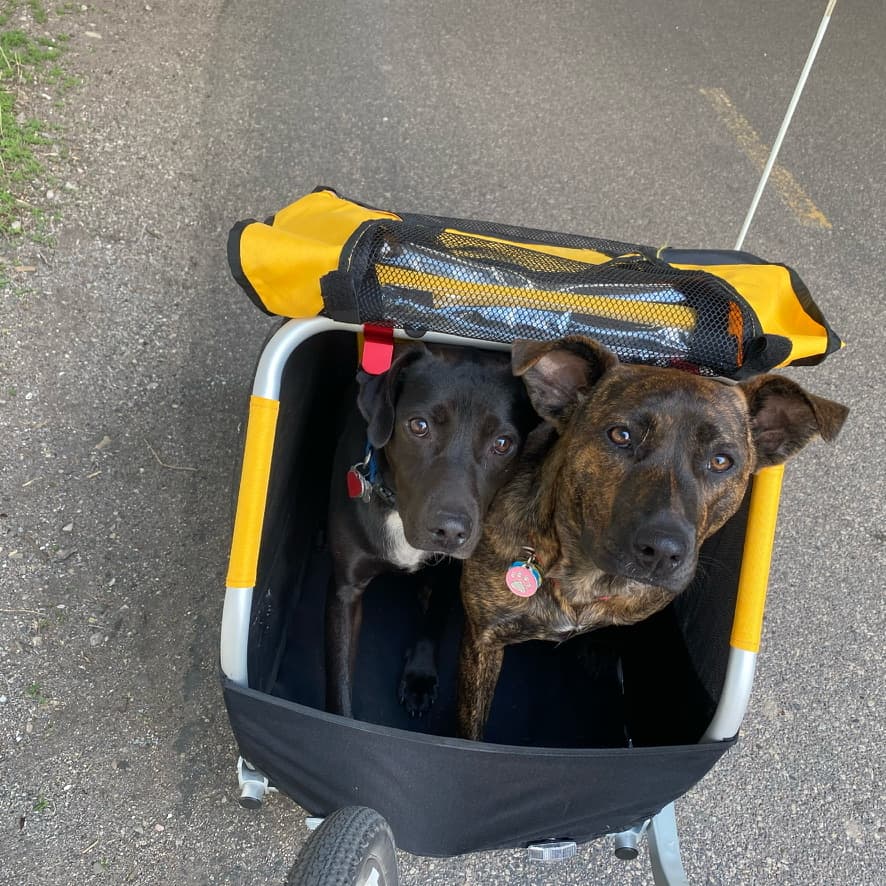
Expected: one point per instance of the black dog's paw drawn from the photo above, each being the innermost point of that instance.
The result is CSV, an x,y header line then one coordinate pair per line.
x,y
418,685
417,692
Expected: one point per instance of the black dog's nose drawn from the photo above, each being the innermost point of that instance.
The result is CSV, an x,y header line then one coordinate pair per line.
x,y
451,531
660,549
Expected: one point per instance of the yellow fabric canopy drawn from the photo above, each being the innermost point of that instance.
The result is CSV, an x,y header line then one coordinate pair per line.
x,y
326,254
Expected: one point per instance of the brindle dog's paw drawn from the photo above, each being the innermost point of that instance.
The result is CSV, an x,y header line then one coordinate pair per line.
x,y
418,685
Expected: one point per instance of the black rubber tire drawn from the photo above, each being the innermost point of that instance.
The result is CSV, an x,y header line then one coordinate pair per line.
x,y
352,847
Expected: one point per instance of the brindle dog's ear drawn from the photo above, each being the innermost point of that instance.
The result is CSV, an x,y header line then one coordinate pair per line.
x,y
377,397
558,373
784,417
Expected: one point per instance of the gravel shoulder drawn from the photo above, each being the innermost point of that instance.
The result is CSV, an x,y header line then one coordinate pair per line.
x,y
115,756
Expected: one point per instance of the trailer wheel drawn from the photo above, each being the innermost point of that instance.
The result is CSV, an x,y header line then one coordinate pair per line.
x,y
352,847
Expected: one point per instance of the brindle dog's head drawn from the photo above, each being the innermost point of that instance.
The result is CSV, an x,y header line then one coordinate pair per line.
x,y
656,460
449,424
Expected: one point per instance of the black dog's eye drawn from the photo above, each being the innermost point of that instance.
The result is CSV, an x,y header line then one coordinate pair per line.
x,y
419,427
720,463
620,436
503,445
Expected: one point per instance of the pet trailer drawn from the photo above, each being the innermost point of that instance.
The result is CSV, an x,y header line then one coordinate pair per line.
x,y
595,736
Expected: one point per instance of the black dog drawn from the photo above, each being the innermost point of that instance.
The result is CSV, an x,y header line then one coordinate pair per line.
x,y
421,457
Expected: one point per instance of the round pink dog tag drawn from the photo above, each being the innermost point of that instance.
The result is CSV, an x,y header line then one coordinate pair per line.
x,y
523,579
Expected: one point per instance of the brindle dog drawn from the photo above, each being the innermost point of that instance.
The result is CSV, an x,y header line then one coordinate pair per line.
x,y
632,470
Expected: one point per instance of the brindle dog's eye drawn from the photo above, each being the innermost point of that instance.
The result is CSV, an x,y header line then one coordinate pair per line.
x,y
419,427
620,436
502,445
720,463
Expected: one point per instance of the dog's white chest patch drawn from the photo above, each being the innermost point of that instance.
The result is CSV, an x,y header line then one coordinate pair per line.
x,y
397,549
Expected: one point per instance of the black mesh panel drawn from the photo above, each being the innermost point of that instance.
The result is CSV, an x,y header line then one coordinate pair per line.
x,y
476,280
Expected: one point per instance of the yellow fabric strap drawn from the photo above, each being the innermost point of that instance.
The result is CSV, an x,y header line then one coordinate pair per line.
x,y
285,262
756,559
450,292
769,291
248,522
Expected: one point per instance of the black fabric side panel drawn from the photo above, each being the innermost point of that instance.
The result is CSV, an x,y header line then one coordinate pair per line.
x,y
763,353
311,405
446,797
710,257
339,297
237,268
705,610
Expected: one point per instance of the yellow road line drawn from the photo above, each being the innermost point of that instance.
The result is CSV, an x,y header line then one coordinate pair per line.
x,y
788,188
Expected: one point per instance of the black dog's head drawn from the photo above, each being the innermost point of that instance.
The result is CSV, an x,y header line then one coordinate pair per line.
x,y
449,424
656,460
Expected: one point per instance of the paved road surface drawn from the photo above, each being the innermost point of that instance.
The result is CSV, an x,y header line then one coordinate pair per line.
x,y
130,358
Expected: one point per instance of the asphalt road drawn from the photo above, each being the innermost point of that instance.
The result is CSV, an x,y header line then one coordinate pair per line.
x,y
129,358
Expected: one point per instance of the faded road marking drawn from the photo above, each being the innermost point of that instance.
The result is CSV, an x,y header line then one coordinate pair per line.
x,y
788,188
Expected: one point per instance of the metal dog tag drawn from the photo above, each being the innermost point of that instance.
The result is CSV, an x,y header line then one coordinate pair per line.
x,y
523,578
358,485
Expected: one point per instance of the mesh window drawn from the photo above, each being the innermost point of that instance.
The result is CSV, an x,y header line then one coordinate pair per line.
x,y
476,280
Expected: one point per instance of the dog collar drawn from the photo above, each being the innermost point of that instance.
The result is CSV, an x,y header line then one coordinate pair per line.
x,y
524,577
363,479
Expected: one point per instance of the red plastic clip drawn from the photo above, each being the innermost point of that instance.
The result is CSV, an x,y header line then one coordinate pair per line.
x,y
378,348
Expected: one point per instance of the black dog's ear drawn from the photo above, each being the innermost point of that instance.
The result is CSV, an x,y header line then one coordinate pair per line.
x,y
378,395
784,417
558,373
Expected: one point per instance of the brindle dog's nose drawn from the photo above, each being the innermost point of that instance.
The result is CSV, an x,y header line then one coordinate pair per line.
x,y
451,531
661,548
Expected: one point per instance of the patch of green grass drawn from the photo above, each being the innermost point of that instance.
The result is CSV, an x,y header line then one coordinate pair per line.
x,y
26,64
35,691
38,11
21,51
60,78
41,804
16,144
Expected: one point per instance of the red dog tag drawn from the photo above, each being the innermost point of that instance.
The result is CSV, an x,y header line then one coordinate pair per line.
x,y
356,484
